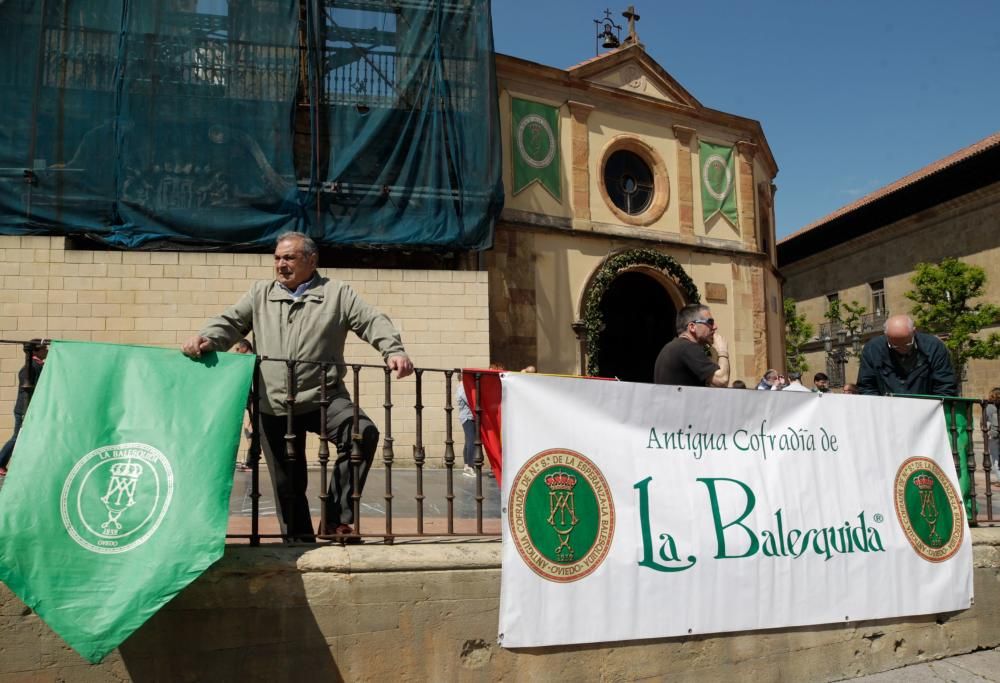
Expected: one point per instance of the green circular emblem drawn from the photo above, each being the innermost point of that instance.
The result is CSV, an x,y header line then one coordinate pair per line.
x,y
717,177
561,515
536,143
928,509
115,497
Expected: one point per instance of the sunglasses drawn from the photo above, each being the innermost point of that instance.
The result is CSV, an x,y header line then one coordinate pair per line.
x,y
705,321
907,345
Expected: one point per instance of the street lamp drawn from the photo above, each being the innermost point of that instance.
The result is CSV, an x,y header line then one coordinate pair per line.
x,y
837,356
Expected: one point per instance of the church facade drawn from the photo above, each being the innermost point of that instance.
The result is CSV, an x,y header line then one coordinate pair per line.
x,y
593,258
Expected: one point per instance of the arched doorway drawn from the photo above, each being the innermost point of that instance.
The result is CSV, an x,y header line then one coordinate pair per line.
x,y
628,311
639,319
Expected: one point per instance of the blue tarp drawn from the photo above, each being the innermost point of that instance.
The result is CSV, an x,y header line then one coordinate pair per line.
x,y
206,122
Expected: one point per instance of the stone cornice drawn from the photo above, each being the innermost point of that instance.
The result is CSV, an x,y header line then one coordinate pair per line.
x,y
535,221
579,110
747,149
684,134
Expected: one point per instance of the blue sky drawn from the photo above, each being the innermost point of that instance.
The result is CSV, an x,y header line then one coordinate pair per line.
x,y
852,94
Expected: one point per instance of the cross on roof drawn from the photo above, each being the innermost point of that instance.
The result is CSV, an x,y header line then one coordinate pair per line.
x,y
632,17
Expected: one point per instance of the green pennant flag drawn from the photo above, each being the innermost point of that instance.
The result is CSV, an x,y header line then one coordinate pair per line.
x,y
535,139
718,182
118,491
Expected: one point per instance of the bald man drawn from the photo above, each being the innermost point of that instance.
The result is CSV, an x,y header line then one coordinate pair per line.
x,y
904,361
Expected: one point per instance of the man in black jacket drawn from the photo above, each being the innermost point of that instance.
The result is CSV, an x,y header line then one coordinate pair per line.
x,y
904,361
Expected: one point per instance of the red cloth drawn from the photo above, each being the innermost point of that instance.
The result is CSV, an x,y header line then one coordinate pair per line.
x,y
489,425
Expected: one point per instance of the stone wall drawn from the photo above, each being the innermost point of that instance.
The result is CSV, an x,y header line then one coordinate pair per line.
x,y
162,298
429,613
513,313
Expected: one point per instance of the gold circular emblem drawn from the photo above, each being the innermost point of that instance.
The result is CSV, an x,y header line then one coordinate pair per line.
x,y
561,515
929,509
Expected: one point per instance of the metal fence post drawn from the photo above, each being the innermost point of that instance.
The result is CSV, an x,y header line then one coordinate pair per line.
x,y
387,454
254,454
449,452
324,449
418,450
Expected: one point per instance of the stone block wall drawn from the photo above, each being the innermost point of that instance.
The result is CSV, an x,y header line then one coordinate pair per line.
x,y
429,612
162,298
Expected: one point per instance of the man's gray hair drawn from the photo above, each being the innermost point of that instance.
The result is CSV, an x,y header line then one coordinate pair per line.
x,y
689,314
909,322
308,246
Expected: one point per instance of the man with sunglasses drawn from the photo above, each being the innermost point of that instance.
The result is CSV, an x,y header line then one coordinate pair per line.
x,y
904,361
684,360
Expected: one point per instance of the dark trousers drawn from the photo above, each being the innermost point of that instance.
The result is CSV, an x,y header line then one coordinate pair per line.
x,y
8,448
290,478
469,454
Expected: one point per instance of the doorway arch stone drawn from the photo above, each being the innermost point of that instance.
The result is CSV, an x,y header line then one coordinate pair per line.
x,y
660,268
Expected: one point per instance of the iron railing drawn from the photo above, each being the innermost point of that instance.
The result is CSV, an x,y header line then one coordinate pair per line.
x,y
971,466
867,324
387,530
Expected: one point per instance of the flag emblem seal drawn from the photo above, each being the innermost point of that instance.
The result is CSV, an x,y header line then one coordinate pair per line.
x,y
929,509
717,177
561,515
536,143
115,497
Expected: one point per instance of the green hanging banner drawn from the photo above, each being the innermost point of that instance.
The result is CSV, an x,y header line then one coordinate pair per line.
x,y
535,141
118,492
718,182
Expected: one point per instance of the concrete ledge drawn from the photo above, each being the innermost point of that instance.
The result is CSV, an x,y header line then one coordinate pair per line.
x,y
428,611
360,559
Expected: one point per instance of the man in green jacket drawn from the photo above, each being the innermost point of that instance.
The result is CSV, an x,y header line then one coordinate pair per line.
x,y
303,316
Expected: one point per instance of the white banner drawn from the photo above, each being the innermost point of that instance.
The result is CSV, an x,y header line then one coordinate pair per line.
x,y
639,511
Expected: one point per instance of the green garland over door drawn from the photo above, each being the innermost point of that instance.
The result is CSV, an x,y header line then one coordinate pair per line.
x,y
612,268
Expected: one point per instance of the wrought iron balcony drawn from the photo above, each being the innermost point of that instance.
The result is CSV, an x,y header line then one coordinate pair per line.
x,y
870,323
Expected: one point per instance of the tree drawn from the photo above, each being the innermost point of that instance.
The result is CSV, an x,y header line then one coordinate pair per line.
x,y
852,321
941,295
798,332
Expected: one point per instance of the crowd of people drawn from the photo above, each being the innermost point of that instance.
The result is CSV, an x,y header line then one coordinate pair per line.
x,y
792,381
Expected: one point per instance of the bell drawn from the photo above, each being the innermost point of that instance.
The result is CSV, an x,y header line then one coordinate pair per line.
x,y
610,41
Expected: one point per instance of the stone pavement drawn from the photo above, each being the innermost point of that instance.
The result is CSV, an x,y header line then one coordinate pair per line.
x,y
373,503
976,667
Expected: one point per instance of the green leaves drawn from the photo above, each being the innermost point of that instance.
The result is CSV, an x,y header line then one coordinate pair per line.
x,y
798,332
941,296
848,315
612,268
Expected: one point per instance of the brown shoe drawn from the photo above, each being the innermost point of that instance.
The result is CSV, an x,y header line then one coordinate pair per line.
x,y
348,531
